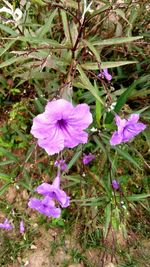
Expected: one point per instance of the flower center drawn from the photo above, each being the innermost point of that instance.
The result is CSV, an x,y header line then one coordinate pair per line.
x,y
61,123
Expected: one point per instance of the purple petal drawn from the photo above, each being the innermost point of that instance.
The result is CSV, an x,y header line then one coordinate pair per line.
x,y
133,118
45,206
6,225
81,117
107,75
88,158
56,182
44,189
119,122
54,143
22,228
54,192
132,130
74,137
60,109
115,139
34,203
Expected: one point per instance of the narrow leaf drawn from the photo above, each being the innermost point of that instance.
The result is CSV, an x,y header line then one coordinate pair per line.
x,y
5,177
4,152
104,65
114,41
4,188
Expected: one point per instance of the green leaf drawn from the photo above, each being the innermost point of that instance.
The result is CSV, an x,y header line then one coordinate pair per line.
x,y
86,82
66,27
7,46
74,159
6,162
4,152
137,197
98,11
38,2
7,29
12,60
114,41
48,25
98,107
107,219
25,185
104,65
5,177
93,50
126,156
4,188
121,13
124,96
39,105
36,40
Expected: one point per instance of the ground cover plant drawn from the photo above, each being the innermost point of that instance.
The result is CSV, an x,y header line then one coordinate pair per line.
x,y
75,138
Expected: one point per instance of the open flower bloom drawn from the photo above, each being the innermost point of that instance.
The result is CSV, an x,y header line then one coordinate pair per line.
x,y
54,192
45,206
88,158
105,74
61,125
127,129
22,228
6,225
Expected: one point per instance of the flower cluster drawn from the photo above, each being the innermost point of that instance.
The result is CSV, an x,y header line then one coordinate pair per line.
x,y
61,125
51,193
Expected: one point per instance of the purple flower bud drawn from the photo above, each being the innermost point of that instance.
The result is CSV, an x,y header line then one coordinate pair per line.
x,y
88,158
115,184
105,74
61,163
22,228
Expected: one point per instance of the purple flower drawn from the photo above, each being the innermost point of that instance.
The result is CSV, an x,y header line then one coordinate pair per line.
x,y
45,206
88,158
105,74
126,129
61,125
115,184
54,192
6,225
61,163
22,228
